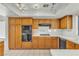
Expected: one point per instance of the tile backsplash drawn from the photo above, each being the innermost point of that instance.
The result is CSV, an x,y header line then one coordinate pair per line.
x,y
51,32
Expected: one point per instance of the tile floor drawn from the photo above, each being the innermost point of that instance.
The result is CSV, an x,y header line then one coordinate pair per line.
x,y
32,52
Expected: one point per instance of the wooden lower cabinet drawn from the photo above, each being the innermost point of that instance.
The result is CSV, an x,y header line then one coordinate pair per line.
x,y
35,41
26,45
41,43
48,42
54,42
70,45
45,42
76,46
1,48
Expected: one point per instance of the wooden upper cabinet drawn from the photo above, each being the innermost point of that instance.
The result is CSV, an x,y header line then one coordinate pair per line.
x,y
69,22
35,24
11,20
26,21
54,24
18,21
63,22
66,22
14,21
70,45
41,21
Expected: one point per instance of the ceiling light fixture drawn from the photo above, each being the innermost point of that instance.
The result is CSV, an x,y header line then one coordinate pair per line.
x,y
46,5
21,7
36,6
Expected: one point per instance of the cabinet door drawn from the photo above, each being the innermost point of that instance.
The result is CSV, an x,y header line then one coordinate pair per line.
x,y
35,24
1,48
48,21
18,36
54,42
55,24
63,22
76,46
18,21
47,42
26,21
41,42
26,45
35,41
12,36
69,22
70,45
11,20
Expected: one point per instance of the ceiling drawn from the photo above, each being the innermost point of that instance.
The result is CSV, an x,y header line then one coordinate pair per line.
x,y
49,10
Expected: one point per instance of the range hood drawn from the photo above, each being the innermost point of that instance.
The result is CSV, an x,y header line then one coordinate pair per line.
x,y
45,24
44,29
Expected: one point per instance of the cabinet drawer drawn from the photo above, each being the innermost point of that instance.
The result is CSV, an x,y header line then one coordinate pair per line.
x,y
26,44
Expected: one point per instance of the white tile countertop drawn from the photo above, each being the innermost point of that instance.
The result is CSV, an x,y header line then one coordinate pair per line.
x,y
64,52
71,38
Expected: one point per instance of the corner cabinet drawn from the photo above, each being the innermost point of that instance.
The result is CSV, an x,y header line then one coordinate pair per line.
x,y
66,22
